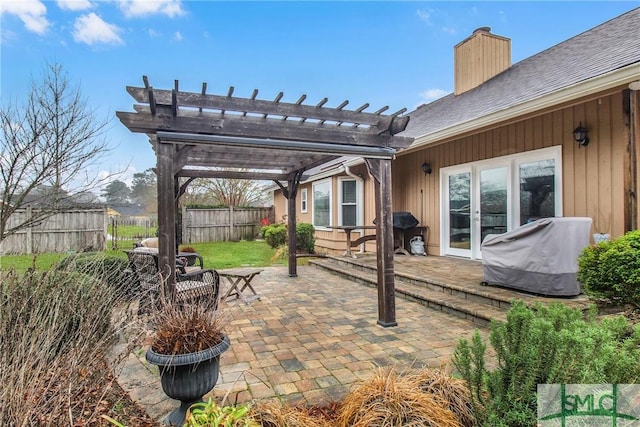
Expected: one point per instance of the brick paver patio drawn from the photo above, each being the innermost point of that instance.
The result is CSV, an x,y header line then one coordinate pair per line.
x,y
308,340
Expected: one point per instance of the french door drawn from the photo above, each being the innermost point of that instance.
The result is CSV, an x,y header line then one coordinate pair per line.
x,y
495,196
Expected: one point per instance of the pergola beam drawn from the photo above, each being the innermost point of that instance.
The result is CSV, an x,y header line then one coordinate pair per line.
x,y
256,127
262,107
199,173
273,143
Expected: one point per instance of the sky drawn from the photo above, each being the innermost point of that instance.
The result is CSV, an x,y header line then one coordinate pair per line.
x,y
393,53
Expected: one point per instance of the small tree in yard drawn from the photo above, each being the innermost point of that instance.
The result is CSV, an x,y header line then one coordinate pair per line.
x,y
51,140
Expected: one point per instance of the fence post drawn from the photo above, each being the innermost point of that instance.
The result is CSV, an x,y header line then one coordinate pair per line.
x,y
29,214
186,238
231,230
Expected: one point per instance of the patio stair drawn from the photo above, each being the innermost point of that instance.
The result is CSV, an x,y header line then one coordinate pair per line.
x,y
479,304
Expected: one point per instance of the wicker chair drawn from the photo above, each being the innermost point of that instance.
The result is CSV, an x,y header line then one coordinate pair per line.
x,y
201,286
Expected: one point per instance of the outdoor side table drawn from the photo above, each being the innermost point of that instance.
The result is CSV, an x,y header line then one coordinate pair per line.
x,y
240,280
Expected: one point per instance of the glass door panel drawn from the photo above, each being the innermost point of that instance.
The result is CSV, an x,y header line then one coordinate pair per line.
x,y
459,230
537,190
494,207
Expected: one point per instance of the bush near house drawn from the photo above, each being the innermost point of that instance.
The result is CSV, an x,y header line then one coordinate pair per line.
x,y
276,236
544,345
306,237
611,270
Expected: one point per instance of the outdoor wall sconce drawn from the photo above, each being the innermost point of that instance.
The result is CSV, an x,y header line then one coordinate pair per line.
x,y
426,168
580,135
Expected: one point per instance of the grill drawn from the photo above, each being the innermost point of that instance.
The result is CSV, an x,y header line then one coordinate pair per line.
x,y
404,220
403,225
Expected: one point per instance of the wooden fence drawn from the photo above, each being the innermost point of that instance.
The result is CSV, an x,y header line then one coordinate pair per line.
x,y
68,230
223,224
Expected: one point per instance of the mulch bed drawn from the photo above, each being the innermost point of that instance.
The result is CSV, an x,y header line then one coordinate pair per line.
x,y
103,396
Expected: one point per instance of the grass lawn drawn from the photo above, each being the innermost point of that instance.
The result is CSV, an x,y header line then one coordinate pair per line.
x,y
217,255
133,231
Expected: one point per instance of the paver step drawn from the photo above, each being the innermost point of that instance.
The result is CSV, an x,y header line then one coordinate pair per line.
x,y
478,310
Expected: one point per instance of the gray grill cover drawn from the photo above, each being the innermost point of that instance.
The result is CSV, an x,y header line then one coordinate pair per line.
x,y
540,257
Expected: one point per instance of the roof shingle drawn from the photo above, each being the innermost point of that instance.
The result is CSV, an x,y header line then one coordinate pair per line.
x,y
600,50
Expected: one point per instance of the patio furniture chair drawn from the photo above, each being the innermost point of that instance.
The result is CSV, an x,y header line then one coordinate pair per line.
x,y
201,286
540,257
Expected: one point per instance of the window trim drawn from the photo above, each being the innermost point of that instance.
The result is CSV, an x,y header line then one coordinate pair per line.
x,y
304,204
359,200
313,206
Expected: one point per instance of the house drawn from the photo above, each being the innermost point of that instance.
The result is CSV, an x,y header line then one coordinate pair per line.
x,y
556,134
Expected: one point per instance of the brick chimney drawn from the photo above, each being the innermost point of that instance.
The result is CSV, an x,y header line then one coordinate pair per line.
x,y
480,57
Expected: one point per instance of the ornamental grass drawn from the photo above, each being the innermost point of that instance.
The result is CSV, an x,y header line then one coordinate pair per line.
x,y
187,328
389,399
278,414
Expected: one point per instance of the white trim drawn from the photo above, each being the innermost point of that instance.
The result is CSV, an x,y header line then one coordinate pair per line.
x,y
597,84
304,201
359,200
512,162
313,205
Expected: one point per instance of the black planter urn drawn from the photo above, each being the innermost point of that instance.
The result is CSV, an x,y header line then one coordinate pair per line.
x,y
188,377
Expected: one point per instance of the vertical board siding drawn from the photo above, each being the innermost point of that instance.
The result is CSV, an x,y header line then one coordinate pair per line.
x,y
69,230
214,225
593,176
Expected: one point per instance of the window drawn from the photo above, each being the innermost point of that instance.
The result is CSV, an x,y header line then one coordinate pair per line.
x,y
303,200
348,202
322,204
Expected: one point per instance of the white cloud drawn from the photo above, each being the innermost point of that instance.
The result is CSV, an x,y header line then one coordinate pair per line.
x,y
432,94
135,8
31,12
153,33
425,15
449,30
91,29
503,17
74,4
122,173
178,37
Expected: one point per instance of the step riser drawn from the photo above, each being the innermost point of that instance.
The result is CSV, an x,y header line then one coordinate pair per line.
x,y
433,304
481,299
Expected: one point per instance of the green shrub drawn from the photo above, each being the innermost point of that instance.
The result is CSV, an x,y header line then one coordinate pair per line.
x,y
305,237
547,345
210,414
611,270
275,235
111,270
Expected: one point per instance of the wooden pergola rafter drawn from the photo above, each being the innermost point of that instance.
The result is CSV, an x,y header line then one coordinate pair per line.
x,y
195,134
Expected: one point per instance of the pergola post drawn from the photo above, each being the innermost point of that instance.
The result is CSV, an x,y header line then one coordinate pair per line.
x,y
380,170
166,215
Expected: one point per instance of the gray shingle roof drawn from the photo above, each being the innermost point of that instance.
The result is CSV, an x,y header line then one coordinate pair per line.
x,y
605,48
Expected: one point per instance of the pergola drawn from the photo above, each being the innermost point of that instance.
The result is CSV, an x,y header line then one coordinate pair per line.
x,y
222,136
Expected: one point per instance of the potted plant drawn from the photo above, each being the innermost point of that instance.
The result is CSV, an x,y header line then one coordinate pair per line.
x,y
186,347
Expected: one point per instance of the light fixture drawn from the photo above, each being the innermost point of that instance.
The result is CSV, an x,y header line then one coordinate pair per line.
x,y
580,135
426,168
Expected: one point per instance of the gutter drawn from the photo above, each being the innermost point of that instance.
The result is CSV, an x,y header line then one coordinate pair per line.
x,y
601,83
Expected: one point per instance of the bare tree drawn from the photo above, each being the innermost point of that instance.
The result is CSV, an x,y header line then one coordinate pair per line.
x,y
50,141
225,191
